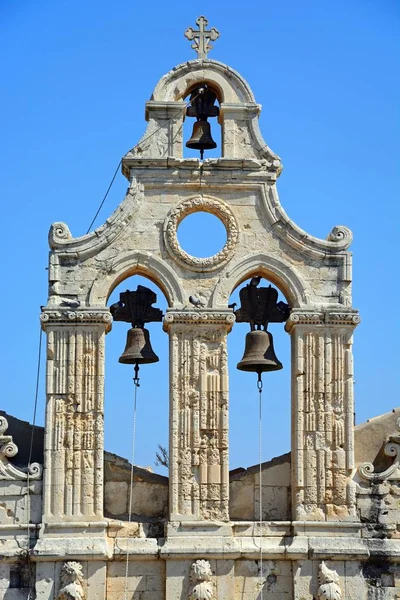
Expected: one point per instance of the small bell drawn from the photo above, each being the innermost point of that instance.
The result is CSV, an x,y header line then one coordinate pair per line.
x,y
201,137
259,355
138,350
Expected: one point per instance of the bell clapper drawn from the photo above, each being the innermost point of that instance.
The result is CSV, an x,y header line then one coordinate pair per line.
x,y
259,382
136,376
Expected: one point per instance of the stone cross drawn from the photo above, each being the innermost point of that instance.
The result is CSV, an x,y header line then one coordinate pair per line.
x,y
202,37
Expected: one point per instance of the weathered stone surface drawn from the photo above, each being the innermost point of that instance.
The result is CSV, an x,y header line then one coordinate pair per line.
x,y
327,532
371,435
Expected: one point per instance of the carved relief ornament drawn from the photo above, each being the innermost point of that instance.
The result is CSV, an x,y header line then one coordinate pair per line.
x,y
71,580
199,317
392,449
322,318
329,588
8,450
58,315
201,585
201,204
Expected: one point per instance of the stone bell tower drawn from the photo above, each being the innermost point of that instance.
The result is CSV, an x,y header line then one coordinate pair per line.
x,y
140,237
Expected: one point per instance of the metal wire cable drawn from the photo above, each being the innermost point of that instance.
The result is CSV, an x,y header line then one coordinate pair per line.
x,y
134,147
105,197
28,499
131,487
260,387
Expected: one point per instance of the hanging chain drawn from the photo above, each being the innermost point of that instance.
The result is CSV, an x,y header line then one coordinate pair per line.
x,y
260,387
137,385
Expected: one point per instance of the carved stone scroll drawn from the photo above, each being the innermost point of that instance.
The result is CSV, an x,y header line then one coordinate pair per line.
x,y
322,404
392,473
8,450
73,486
199,479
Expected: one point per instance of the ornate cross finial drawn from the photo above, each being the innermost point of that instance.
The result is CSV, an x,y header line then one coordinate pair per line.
x,y
202,37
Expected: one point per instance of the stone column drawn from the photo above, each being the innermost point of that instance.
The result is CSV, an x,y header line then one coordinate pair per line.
x,y
322,415
73,452
199,466
235,119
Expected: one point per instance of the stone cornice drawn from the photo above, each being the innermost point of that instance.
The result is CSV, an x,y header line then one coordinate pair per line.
x,y
316,317
65,245
338,239
198,317
174,168
255,176
61,316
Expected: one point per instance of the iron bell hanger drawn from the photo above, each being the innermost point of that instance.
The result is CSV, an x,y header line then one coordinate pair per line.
x,y
259,307
202,101
135,308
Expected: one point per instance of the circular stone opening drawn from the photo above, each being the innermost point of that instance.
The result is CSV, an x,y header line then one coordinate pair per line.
x,y
201,234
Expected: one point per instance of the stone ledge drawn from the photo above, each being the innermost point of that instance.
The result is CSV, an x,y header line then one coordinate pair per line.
x,y
326,528
73,548
202,528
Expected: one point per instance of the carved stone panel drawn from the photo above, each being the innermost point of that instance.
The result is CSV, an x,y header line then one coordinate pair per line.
x,y
74,433
323,415
199,480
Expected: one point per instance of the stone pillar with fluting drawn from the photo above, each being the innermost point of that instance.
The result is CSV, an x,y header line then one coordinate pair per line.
x,y
199,469
73,475
322,415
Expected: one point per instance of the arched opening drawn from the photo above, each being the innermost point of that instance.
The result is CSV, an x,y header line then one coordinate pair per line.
x,y
152,399
244,399
201,130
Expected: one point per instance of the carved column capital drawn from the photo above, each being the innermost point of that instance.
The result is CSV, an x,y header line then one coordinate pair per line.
x,y
67,316
199,317
348,318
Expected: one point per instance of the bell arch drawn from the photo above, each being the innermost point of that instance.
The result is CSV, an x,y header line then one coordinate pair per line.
x,y
276,270
239,112
121,342
176,84
138,263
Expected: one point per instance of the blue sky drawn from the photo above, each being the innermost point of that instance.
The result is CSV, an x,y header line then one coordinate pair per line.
x,y
75,77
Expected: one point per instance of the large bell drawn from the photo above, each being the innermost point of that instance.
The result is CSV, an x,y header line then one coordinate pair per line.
x,y
201,137
138,350
259,355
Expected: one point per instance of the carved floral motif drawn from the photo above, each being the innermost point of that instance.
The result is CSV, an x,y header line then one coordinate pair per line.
x,y
71,582
329,588
201,585
211,205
